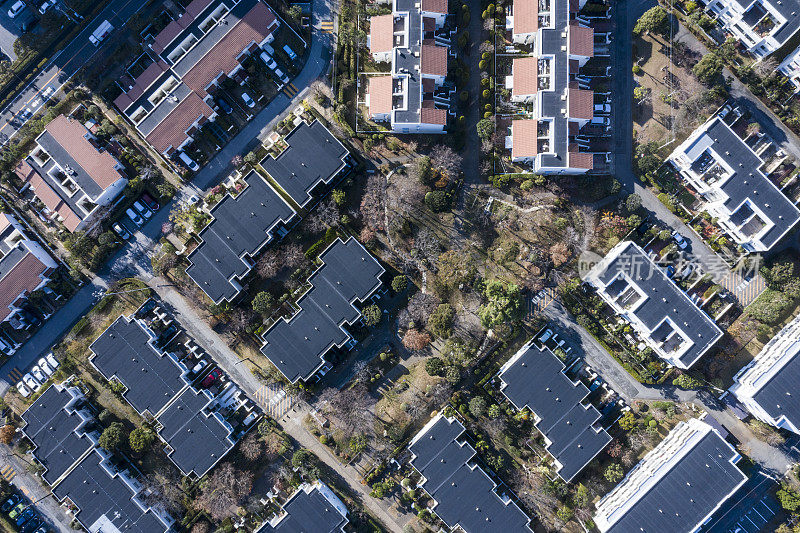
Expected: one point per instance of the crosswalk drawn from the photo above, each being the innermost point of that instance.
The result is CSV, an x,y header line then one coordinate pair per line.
x,y
326,26
744,290
274,400
290,90
8,473
15,375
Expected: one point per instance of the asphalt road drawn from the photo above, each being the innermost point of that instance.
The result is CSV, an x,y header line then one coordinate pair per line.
x,y
61,68
134,257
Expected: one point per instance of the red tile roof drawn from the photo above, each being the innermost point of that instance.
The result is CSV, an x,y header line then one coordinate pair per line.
x,y
254,26
526,16
381,34
174,28
434,6
581,41
523,133
380,95
434,59
172,130
47,195
525,72
581,104
23,278
70,134
583,160
144,80
431,115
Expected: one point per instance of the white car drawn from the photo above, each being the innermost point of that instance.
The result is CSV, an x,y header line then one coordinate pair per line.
x,y
23,390
51,360
680,240
39,374
247,100
602,108
271,64
16,9
31,382
189,162
45,366
47,4
145,212
134,216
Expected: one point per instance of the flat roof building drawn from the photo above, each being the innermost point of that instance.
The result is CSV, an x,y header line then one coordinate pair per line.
x,y
173,98
768,385
313,508
534,378
762,26
58,426
240,227
297,345
549,81
413,97
676,487
312,160
662,314
729,177
465,496
70,174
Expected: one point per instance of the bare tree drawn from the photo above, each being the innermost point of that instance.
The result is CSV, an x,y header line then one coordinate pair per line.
x,y
252,447
223,491
268,265
427,244
372,203
444,158
420,306
766,67
325,216
416,340
350,410
164,490
293,256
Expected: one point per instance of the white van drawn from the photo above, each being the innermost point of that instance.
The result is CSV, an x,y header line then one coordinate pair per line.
x,y
101,33
188,161
268,61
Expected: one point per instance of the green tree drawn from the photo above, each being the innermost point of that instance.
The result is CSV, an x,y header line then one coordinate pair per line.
x,y
424,170
564,514
434,366
503,303
494,411
452,375
628,421
437,201
399,283
372,315
708,68
339,197
582,497
141,438
477,406
485,128
685,381
654,20
778,273
614,473
633,203
440,322
112,436
263,303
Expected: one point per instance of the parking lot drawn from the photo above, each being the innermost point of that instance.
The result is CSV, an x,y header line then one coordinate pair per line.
x,y
750,510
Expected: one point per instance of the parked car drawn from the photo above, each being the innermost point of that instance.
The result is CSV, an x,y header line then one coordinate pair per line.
x,y
23,390
289,52
188,161
29,317
225,106
271,64
26,515
45,366
602,108
680,240
150,202
39,374
209,380
142,210
281,76
52,361
15,512
603,121
120,230
31,525
47,4
15,9
9,504
134,216
249,102
31,382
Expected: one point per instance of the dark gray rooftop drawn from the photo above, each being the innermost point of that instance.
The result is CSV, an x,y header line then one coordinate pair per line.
x,y
104,501
408,59
779,395
554,43
536,380
313,156
308,513
198,439
64,159
747,181
790,9
161,111
240,227
151,377
71,201
55,432
664,300
464,496
349,273
687,493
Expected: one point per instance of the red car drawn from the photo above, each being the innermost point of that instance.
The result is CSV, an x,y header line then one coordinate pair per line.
x,y
209,380
150,202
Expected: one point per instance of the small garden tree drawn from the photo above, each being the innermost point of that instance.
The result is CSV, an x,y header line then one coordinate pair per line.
x,y
112,436
141,438
440,323
263,303
477,406
399,283
614,473
372,315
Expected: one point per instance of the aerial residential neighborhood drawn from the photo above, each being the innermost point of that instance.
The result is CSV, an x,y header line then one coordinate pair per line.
x,y
347,266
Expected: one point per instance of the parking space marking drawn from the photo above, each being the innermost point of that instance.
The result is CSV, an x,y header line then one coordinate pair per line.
x,y
290,90
8,473
542,299
15,374
744,291
753,518
326,26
